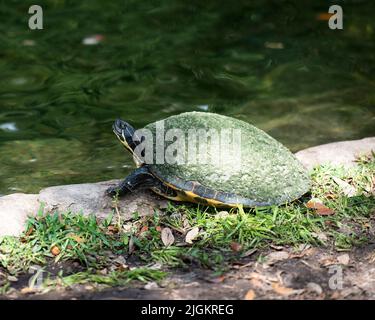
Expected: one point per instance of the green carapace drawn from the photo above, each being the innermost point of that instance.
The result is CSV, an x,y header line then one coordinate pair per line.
x,y
211,159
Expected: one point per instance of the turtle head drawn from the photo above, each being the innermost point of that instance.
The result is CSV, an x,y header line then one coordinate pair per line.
x,y
124,132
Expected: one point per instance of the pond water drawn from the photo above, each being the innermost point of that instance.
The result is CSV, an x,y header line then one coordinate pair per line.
x,y
275,64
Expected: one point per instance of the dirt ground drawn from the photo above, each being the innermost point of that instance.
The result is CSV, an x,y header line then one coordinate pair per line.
x,y
282,273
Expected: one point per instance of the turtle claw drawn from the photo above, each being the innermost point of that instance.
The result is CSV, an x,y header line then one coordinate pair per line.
x,y
112,191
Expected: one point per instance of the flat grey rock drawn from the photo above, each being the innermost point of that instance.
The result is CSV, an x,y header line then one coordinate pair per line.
x,y
87,198
337,153
14,210
90,198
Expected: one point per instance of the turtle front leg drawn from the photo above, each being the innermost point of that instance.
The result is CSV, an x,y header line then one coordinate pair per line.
x,y
140,178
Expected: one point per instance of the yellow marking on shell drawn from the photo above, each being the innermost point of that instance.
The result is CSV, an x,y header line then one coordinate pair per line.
x,y
177,198
190,196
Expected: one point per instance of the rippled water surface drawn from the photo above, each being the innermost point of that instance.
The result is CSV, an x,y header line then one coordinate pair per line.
x,y
275,64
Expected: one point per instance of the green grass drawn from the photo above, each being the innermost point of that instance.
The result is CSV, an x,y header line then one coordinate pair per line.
x,y
114,278
223,237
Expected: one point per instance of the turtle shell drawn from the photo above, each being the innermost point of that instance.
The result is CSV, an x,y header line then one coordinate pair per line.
x,y
245,166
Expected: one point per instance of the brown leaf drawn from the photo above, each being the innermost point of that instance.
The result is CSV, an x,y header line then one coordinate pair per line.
x,y
29,231
248,253
276,256
284,291
185,223
306,252
55,250
235,246
320,208
250,295
167,237
191,235
327,261
112,229
76,238
343,259
28,290
315,204
257,283
325,212
217,279
143,229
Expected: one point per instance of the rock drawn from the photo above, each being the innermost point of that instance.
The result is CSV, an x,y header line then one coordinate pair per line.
x,y
343,259
151,286
84,198
14,210
314,287
336,153
90,198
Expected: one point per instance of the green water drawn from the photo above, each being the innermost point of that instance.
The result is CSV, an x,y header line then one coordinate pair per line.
x,y
271,63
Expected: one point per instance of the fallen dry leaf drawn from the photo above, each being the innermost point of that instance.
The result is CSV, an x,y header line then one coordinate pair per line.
x,y
248,253
28,290
29,231
112,229
346,188
191,235
76,238
274,257
319,207
278,248
343,259
284,291
257,283
217,279
143,229
325,262
185,223
303,253
261,281
336,295
167,237
250,295
103,271
55,250
12,278
235,246
320,236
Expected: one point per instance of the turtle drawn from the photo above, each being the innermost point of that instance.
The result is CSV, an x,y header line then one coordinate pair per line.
x,y
259,172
